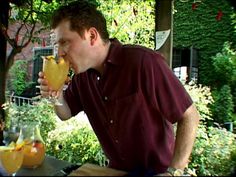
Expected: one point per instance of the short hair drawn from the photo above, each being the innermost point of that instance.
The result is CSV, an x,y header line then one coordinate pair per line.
x,y
82,15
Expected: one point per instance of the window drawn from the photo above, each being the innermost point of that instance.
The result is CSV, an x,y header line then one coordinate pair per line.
x,y
185,64
37,60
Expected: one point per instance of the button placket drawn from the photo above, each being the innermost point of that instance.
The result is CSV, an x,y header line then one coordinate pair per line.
x,y
105,98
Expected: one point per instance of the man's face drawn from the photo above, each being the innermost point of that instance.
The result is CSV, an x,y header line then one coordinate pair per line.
x,y
73,47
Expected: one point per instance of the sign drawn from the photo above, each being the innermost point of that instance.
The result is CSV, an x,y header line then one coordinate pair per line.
x,y
161,37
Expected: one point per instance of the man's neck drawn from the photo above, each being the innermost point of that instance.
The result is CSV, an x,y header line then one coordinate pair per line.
x,y
104,52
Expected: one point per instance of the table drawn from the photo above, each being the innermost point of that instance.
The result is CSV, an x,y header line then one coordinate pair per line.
x,y
95,170
50,167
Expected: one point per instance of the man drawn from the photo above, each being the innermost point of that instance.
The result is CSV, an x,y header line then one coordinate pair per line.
x,y
129,93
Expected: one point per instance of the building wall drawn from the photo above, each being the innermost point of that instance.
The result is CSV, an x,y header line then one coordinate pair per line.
x,y
43,39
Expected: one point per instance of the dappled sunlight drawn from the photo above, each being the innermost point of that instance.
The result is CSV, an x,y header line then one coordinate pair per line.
x,y
78,121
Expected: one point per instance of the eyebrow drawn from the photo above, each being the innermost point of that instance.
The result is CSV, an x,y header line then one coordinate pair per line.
x,y
59,41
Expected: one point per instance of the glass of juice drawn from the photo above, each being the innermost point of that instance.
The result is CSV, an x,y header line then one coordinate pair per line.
x,y
56,72
11,159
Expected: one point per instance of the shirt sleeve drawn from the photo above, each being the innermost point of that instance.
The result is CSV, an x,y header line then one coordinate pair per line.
x,y
165,90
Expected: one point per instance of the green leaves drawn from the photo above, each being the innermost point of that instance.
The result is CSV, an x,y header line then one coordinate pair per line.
x,y
213,152
33,11
214,148
18,77
224,65
75,142
42,113
130,21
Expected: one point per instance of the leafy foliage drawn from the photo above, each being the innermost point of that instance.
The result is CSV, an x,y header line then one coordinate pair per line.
x,y
18,77
200,28
41,112
202,97
224,67
128,20
223,84
223,107
213,152
75,142
214,149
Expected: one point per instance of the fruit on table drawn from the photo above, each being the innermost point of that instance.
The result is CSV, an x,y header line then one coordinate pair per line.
x,y
34,154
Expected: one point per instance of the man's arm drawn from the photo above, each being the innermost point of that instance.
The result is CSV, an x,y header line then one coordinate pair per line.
x,y
62,111
185,137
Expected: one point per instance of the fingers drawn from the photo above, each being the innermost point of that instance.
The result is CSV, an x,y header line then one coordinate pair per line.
x,y
41,74
44,88
41,79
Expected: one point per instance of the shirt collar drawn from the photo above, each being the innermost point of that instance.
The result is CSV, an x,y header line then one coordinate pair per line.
x,y
114,52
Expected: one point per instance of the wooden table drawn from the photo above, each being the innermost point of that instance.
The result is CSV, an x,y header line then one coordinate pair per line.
x,y
95,170
55,167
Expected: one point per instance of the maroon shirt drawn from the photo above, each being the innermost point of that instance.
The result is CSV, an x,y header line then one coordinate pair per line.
x,y
131,107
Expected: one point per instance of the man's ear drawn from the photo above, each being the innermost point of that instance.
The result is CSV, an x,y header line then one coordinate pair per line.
x,y
93,34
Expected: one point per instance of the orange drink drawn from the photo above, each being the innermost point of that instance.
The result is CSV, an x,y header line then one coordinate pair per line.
x,y
55,71
34,153
11,159
34,146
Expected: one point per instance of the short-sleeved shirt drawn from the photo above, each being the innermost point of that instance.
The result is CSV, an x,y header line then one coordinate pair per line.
x,y
131,107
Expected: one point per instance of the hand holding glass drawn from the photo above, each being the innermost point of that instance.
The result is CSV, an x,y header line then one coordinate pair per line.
x,y
56,73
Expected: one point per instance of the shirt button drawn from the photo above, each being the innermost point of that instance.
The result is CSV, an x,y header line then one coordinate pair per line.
x,y
105,98
111,121
116,141
98,78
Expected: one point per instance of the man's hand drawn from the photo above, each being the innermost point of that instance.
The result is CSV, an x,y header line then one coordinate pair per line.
x,y
44,87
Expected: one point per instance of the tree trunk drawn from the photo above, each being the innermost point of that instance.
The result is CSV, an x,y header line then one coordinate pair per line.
x,y
4,10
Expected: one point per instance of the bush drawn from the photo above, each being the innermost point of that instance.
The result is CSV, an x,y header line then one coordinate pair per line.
x,y
72,140
214,148
223,107
224,83
41,113
75,142
201,96
213,152
18,77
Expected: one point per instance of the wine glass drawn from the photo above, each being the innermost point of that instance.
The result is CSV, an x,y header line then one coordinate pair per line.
x,y
11,159
56,72
11,134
